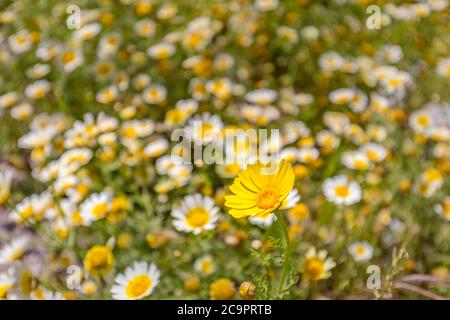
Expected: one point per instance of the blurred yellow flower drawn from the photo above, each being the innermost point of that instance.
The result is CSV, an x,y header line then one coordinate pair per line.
x,y
99,260
222,289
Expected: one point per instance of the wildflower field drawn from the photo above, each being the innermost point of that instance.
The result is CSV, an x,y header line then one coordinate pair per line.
x,y
240,149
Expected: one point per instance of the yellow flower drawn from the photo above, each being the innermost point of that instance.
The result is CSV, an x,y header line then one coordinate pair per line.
x,y
222,289
260,189
192,284
98,260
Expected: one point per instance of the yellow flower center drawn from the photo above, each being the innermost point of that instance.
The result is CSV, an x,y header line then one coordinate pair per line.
x,y
267,198
26,213
137,287
360,250
68,57
423,120
197,217
100,210
206,266
447,208
314,268
17,255
360,165
4,195
4,288
395,82
175,116
342,191
205,130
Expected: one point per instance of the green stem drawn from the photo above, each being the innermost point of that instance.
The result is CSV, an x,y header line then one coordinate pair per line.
x,y
287,254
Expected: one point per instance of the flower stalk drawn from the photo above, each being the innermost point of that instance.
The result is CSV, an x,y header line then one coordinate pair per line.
x,y
282,226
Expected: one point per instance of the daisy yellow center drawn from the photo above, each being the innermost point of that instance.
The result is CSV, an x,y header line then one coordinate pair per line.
x,y
423,120
17,255
361,165
205,130
153,94
396,82
267,198
39,92
314,268
372,155
4,288
162,53
447,207
100,210
27,212
4,195
341,99
68,57
197,217
130,132
342,191
207,266
137,287
360,250
175,116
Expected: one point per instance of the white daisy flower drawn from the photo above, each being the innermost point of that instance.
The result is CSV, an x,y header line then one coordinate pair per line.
x,y
7,281
336,121
37,89
107,95
331,61
266,5
355,160
137,282
361,251
341,96
195,214
145,27
161,51
443,67
22,111
6,178
95,207
154,94
20,42
420,120
307,155
87,32
70,60
443,209
38,71
203,129
391,53
8,100
205,265
14,251
340,190
261,97
156,148
374,151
